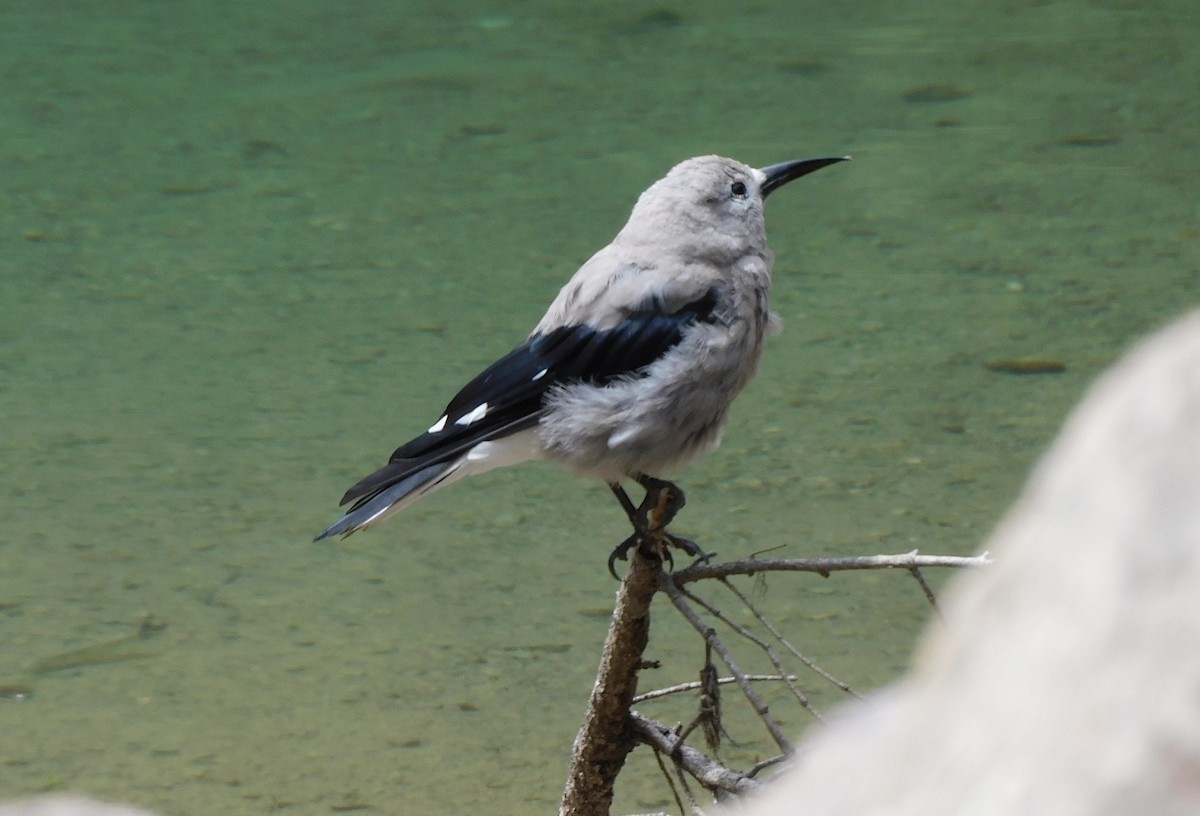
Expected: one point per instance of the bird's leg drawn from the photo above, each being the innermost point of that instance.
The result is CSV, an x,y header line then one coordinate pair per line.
x,y
663,501
668,501
626,502
621,551
673,503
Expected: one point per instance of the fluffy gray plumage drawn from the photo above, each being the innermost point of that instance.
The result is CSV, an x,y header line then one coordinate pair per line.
x,y
633,368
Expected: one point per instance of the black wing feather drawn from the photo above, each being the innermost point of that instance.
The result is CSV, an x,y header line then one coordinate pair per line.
x,y
514,391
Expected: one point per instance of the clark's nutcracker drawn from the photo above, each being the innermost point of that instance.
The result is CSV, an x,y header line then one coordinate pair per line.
x,y
632,369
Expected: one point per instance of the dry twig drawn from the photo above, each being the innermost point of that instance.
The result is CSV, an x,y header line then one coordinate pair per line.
x,y
741,596
707,771
611,729
695,684
825,566
762,644
666,581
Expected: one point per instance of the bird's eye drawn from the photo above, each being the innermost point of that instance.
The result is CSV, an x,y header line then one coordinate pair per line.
x,y
738,189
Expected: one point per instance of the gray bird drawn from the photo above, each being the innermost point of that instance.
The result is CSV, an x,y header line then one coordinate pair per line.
x,y
632,369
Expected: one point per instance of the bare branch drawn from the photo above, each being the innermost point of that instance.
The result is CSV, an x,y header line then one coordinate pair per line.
x,y
708,772
611,730
695,684
666,581
763,764
784,641
824,566
928,590
687,789
662,766
800,696
604,740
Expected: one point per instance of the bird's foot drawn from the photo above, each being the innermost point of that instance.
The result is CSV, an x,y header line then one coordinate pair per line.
x,y
650,519
690,547
663,502
621,553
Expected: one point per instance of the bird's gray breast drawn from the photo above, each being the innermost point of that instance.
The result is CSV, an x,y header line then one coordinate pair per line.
x,y
660,418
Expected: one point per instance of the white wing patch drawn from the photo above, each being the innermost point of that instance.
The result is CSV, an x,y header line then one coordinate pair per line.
x,y
474,415
509,450
438,426
540,374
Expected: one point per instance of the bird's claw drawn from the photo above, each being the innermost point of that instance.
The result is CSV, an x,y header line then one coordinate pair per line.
x,y
650,519
690,547
620,552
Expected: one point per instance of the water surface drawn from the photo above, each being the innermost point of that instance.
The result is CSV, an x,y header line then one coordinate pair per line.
x,y
250,248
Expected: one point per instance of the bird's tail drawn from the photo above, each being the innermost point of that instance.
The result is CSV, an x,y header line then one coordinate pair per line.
x,y
397,497
401,482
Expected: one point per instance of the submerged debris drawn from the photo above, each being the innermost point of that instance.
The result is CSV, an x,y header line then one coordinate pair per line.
x,y
936,92
1027,365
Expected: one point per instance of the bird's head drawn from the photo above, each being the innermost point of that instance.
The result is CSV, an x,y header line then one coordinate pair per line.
x,y
712,204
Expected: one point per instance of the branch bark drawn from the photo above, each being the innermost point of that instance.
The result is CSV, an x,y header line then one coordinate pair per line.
x,y
824,566
708,772
667,582
607,735
695,684
611,730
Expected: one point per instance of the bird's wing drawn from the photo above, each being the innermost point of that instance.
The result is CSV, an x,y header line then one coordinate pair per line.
x,y
507,397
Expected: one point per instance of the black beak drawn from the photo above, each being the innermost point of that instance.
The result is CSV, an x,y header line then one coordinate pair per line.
x,y
780,174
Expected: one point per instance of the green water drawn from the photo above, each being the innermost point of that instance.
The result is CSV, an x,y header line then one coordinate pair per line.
x,y
249,248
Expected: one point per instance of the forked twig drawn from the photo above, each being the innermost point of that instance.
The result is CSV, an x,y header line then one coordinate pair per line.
x,y
760,707
779,636
763,764
825,566
707,771
915,572
800,696
611,728
658,757
695,684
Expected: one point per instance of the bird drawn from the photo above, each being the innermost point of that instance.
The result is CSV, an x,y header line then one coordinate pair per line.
x,y
631,372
